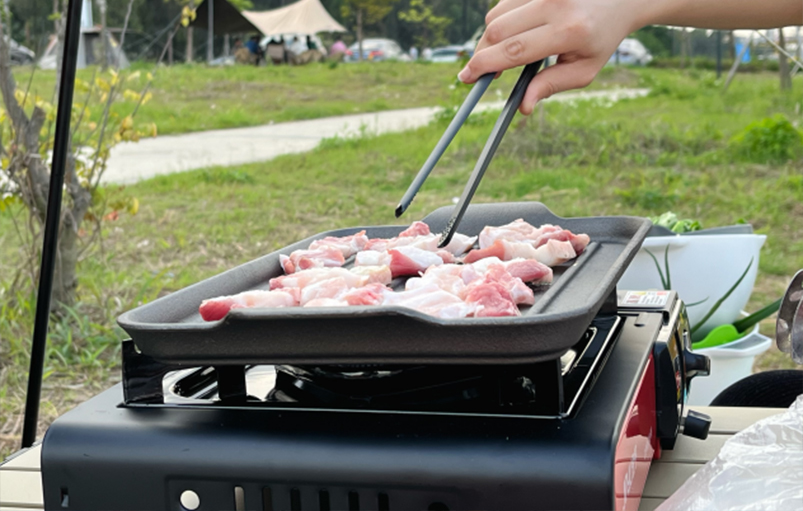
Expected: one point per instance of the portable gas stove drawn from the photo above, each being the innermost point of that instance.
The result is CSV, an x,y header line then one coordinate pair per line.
x,y
578,432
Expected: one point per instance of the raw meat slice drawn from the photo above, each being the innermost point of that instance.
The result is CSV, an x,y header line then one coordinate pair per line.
x,y
451,278
324,256
348,245
329,288
304,278
415,229
579,241
380,274
432,300
517,230
427,242
555,252
372,258
491,300
520,294
371,294
406,261
528,270
551,254
217,308
460,243
450,283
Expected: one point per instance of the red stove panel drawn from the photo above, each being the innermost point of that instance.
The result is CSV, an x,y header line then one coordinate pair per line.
x,y
637,445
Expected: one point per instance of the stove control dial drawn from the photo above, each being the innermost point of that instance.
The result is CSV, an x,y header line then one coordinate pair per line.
x,y
696,425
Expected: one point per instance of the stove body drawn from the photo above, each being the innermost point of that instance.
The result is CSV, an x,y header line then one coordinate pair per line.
x,y
574,433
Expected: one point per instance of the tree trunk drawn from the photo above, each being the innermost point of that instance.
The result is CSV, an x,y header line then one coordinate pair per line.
x,y
189,55
359,33
104,34
783,63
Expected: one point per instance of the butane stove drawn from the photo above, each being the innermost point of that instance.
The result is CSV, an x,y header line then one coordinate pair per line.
x,y
577,432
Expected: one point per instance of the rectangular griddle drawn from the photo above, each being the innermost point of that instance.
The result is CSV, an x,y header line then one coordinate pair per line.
x,y
171,330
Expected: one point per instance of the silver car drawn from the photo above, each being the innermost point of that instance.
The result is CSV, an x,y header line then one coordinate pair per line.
x,y
375,50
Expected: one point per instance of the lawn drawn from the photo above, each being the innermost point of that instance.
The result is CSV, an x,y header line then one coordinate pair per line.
x,y
677,149
195,97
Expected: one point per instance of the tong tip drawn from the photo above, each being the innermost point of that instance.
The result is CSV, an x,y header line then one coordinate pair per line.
x,y
400,209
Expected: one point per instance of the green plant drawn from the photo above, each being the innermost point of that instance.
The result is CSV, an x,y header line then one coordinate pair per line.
x,y
666,282
770,140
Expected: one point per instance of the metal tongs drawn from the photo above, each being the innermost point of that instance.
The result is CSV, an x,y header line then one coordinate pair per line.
x,y
498,131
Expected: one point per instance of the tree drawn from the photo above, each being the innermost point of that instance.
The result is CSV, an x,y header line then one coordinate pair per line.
x,y
366,12
26,137
783,63
429,29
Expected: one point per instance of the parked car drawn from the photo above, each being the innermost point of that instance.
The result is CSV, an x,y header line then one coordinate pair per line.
x,y
20,55
470,45
375,50
451,53
631,52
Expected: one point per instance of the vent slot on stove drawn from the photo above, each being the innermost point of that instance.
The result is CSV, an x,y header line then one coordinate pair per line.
x,y
307,499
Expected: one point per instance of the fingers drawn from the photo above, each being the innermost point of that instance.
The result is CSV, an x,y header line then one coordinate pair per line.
x,y
515,51
558,78
503,7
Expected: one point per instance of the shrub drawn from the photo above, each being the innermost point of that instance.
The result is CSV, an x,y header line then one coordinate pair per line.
x,y
770,140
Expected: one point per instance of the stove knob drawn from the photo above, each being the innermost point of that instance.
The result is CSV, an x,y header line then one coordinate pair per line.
x,y
696,364
696,425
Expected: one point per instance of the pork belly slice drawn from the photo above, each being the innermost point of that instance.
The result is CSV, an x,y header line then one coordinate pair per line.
x,y
579,241
528,270
519,293
418,235
376,273
348,245
217,308
432,300
416,229
333,293
491,299
327,288
451,278
552,253
517,230
403,261
304,278
321,257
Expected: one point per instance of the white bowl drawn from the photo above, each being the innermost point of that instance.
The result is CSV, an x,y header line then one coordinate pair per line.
x,y
701,267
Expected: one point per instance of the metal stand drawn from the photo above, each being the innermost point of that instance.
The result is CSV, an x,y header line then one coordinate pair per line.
x,y
51,237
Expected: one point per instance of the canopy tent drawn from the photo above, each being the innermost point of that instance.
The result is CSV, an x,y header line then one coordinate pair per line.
x,y
226,19
302,17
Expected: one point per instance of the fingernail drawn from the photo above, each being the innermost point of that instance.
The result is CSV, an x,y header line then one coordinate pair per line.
x,y
464,75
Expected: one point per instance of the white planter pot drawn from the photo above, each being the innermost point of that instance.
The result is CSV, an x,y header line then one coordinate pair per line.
x,y
700,267
729,363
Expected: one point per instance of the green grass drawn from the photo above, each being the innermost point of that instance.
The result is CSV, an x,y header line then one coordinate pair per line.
x,y
195,97
671,150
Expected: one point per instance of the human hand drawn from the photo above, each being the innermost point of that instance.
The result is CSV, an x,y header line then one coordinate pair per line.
x,y
583,33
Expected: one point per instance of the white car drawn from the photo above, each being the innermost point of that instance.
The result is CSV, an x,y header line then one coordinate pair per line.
x,y
631,52
447,53
375,50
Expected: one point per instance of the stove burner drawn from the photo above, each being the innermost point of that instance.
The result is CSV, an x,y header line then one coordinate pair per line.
x,y
422,387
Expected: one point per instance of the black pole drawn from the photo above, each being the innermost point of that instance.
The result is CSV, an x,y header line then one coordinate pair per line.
x,y
50,243
719,54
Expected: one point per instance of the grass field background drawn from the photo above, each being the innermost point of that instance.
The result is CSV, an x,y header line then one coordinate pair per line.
x,y
682,148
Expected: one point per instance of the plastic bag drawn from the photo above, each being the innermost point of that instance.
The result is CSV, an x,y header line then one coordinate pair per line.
x,y
758,469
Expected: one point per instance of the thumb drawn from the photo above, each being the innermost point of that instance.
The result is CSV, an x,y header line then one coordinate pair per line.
x,y
558,78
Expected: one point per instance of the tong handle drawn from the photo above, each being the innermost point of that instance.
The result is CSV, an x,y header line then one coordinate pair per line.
x,y
460,117
498,131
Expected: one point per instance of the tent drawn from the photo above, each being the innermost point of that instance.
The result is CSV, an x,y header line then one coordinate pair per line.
x,y
226,19
302,17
